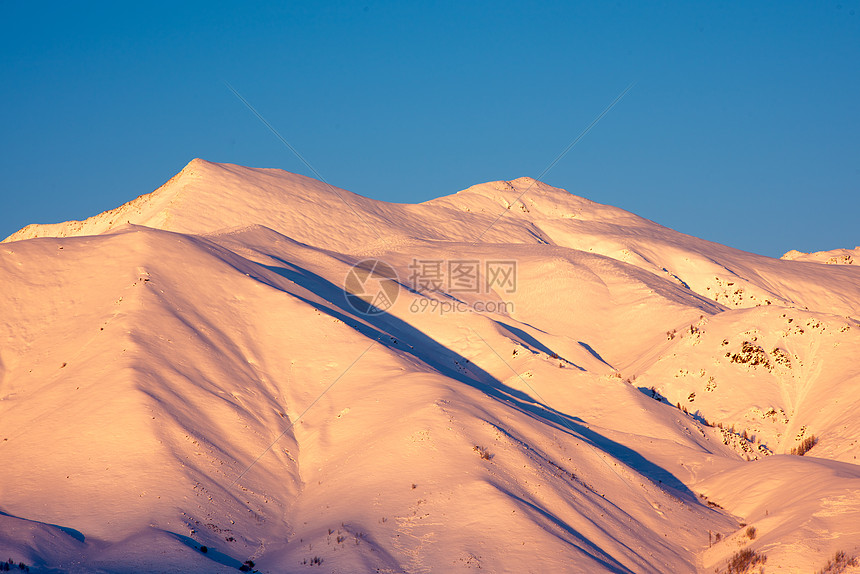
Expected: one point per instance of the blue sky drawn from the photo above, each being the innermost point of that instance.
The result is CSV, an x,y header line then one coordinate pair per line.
x,y
742,127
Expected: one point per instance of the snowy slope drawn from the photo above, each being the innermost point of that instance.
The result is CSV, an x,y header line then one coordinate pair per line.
x,y
186,370
205,197
832,257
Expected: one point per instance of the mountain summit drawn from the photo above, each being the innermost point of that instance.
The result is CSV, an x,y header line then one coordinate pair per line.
x,y
207,197
248,369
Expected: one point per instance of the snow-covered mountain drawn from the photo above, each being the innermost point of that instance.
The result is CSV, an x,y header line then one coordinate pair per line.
x,y
510,378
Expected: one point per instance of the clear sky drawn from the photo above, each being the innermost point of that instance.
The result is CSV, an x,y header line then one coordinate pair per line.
x,y
743,126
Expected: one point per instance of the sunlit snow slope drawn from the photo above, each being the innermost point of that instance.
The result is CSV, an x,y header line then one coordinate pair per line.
x,y
187,371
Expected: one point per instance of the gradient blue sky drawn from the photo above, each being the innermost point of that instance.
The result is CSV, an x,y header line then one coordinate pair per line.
x,y
742,127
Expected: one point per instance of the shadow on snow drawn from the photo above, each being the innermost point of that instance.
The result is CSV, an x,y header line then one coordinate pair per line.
x,y
398,335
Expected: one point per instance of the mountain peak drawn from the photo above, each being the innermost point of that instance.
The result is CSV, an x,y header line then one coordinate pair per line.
x,y
831,257
523,184
206,196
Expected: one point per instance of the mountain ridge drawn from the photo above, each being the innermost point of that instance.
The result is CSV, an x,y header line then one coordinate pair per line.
x,y
634,391
494,212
